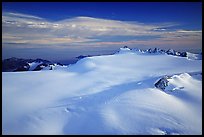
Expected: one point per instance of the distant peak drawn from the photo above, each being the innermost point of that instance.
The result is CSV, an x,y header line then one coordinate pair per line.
x,y
173,52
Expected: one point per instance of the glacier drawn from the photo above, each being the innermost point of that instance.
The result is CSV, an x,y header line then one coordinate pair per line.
x,y
106,95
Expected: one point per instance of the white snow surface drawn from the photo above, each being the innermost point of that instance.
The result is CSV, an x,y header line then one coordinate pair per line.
x,y
112,94
55,67
194,56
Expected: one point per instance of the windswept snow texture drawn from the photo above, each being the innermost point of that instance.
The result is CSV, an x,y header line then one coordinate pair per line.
x,y
113,94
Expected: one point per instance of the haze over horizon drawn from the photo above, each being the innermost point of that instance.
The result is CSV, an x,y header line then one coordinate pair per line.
x,y
61,31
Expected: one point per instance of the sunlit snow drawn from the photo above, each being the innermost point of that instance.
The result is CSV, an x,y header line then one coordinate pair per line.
x,y
109,94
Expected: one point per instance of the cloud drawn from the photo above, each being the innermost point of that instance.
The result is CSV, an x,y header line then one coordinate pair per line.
x,y
25,29
20,15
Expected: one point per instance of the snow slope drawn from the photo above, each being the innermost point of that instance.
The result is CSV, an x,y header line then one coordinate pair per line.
x,y
112,94
33,65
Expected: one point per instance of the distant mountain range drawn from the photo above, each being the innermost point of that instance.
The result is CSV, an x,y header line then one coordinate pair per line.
x,y
188,55
18,64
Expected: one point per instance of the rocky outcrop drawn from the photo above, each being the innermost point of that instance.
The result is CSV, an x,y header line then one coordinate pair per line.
x,y
17,64
162,83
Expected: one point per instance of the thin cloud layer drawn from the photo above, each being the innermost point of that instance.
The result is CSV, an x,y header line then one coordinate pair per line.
x,y
21,30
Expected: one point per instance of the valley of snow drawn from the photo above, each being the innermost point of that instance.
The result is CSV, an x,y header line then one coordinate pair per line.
x,y
110,94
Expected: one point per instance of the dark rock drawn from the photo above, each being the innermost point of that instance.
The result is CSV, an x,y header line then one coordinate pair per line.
x,y
38,60
171,52
149,50
183,54
18,64
162,83
14,64
155,50
59,64
83,56
23,68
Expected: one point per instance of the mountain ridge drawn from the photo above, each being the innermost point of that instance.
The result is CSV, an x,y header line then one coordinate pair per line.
x,y
14,64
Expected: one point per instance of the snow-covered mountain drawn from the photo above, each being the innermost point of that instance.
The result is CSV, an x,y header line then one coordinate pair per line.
x,y
16,64
161,51
108,94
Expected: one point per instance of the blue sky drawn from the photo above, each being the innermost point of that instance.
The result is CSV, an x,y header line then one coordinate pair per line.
x,y
97,27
